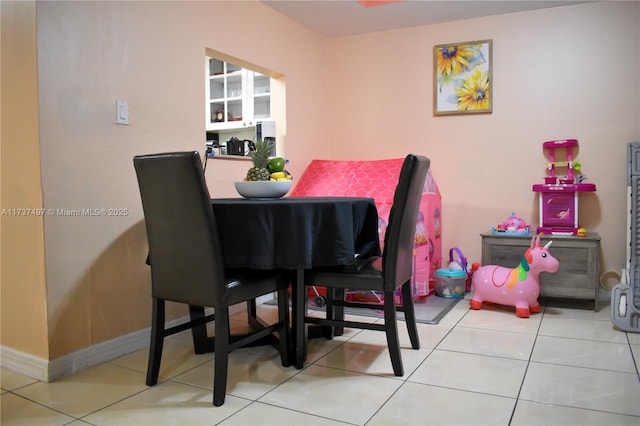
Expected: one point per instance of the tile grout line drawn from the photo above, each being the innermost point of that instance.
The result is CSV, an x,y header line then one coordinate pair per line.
x,y
526,370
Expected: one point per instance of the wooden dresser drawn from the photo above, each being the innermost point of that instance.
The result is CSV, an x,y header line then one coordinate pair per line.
x,y
579,257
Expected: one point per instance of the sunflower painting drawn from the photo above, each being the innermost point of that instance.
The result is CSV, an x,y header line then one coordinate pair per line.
x,y
462,78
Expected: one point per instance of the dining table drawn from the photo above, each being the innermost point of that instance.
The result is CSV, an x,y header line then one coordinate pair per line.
x,y
297,234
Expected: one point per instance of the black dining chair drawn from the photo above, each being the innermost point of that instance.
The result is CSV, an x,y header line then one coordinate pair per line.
x,y
186,262
383,274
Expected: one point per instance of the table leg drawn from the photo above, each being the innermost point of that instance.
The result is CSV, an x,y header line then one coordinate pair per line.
x,y
252,315
298,312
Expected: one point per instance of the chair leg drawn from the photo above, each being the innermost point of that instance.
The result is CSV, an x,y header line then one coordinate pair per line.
x,y
157,341
199,332
410,315
285,331
391,327
221,360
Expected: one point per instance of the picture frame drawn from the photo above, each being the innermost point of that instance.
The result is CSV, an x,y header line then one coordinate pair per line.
x,y
463,78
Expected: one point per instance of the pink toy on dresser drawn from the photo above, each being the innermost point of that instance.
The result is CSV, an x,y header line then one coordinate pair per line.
x,y
519,286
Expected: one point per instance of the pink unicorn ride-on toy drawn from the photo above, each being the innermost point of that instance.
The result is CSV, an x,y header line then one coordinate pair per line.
x,y
519,286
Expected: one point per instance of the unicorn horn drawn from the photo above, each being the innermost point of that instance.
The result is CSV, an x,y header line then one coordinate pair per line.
x,y
546,246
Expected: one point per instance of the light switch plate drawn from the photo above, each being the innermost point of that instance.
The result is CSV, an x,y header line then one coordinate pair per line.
x,y
122,112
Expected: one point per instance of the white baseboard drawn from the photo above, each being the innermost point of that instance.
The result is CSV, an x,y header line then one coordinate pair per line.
x,y
49,371
97,354
24,363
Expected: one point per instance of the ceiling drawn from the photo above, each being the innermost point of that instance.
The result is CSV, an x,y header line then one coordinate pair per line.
x,y
336,18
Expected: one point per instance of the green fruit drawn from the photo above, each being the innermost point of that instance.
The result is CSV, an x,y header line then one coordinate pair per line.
x,y
275,165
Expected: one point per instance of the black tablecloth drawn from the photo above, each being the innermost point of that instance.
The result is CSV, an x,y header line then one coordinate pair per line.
x,y
296,232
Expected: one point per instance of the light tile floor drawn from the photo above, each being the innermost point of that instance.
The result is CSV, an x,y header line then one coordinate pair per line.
x,y
563,366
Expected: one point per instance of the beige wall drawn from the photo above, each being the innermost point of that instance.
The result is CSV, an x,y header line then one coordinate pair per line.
x,y
567,72
350,98
23,290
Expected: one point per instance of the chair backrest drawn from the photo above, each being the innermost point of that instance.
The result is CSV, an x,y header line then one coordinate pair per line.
x,y
184,246
397,258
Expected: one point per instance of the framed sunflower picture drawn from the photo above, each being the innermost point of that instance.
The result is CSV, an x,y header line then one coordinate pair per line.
x,y
462,78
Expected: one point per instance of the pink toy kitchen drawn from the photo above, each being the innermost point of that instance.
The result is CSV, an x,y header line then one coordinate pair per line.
x,y
560,192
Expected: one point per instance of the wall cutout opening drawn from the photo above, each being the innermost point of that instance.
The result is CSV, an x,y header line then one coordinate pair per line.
x,y
242,102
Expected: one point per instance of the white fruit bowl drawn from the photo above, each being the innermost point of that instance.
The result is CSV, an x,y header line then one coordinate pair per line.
x,y
263,189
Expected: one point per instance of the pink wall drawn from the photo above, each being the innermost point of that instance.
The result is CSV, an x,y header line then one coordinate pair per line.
x,y
566,72
150,54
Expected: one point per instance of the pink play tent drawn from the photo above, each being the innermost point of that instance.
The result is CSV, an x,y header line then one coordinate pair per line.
x,y
377,179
